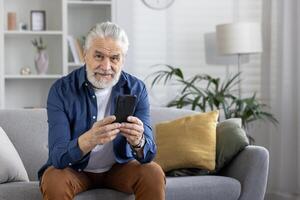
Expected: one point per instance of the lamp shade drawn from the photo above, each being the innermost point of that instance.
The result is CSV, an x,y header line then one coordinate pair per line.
x,y
239,38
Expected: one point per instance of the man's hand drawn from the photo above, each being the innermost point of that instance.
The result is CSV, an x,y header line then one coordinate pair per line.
x,y
103,131
133,131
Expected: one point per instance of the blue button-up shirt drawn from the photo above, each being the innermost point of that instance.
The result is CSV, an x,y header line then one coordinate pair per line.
x,y
72,110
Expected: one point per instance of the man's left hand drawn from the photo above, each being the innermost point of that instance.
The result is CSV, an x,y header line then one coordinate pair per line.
x,y
133,131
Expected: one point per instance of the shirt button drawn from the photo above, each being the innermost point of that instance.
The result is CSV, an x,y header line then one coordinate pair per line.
x,y
79,170
94,117
70,164
86,84
94,96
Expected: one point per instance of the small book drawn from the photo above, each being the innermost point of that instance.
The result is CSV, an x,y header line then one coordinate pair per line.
x,y
72,45
79,50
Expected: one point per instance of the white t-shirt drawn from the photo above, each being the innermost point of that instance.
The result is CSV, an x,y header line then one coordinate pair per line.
x,y
102,157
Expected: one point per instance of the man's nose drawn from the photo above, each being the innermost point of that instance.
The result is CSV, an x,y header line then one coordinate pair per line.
x,y
105,64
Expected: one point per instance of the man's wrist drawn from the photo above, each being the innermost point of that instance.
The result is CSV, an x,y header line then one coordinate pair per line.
x,y
85,143
140,144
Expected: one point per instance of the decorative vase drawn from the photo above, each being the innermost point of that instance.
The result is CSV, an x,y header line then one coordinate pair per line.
x,y
41,61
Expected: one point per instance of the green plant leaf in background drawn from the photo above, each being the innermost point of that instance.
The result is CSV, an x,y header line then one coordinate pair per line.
x,y
38,44
203,92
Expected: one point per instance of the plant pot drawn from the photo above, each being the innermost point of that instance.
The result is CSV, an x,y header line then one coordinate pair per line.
x,y
41,61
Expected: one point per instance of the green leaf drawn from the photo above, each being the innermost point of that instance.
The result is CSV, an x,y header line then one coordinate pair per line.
x,y
206,92
230,83
195,102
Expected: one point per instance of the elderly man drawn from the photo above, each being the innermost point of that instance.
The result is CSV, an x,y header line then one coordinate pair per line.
x,y
87,148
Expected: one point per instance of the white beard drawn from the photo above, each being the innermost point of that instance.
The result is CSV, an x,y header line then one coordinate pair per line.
x,y
102,83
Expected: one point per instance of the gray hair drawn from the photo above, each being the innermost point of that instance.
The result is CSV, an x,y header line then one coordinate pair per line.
x,y
110,30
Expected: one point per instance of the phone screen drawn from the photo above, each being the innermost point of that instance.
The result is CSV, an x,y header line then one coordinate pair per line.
x,y
125,107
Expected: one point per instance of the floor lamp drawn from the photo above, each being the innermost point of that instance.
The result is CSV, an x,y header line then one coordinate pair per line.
x,y
238,39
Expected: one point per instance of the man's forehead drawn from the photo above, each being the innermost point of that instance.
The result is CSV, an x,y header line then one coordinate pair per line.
x,y
109,53
106,46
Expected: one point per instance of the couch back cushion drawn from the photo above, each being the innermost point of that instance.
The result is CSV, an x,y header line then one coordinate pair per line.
x,y
160,114
28,131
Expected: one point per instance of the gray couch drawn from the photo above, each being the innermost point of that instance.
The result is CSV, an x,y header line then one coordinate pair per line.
x,y
245,178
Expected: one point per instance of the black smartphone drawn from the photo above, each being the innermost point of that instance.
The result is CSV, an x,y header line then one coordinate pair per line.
x,y
125,107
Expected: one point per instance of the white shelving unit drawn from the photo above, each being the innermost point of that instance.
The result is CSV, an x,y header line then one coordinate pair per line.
x,y
33,33
2,97
63,18
52,76
89,2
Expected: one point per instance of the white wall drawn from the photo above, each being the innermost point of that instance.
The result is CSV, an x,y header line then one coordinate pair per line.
x,y
176,36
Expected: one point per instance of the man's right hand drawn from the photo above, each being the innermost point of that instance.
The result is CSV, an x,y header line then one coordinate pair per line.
x,y
102,131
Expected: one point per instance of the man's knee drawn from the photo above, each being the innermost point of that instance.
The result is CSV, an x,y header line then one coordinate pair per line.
x,y
53,176
56,183
153,173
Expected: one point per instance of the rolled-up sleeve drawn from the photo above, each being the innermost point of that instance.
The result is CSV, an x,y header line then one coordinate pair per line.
x,y
63,150
143,113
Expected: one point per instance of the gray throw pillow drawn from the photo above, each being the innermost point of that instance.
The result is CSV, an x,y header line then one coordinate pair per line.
x,y
11,167
231,139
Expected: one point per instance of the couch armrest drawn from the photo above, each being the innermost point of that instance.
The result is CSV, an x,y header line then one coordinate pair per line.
x,y
250,167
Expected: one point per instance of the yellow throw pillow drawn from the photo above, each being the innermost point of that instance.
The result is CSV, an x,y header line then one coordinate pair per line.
x,y
188,142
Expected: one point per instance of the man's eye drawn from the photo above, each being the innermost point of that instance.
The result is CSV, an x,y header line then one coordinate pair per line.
x,y
98,56
115,58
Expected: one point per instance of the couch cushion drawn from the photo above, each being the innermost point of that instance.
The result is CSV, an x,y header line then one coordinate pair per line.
x,y
187,142
202,187
179,188
11,168
30,136
159,114
97,194
28,131
31,190
20,191
231,139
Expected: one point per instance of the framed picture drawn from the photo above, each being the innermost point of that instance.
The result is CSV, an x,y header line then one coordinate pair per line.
x,y
38,20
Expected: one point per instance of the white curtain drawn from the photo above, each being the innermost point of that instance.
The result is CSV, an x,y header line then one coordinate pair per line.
x,y
282,89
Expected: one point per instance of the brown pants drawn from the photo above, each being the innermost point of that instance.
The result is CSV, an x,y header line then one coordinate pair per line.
x,y
146,181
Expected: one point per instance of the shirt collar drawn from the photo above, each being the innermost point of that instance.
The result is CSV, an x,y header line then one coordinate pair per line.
x,y
82,76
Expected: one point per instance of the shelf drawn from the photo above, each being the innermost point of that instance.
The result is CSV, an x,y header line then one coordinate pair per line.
x,y
75,64
62,19
89,2
88,14
52,76
33,32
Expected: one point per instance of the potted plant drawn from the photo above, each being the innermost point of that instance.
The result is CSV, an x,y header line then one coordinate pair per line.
x,y
41,59
203,92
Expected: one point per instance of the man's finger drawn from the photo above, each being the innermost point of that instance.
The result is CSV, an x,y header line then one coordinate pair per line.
x,y
136,127
128,136
132,139
134,120
111,133
105,121
129,132
109,136
107,128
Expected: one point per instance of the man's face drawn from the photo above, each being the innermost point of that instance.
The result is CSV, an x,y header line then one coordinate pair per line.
x,y
104,60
